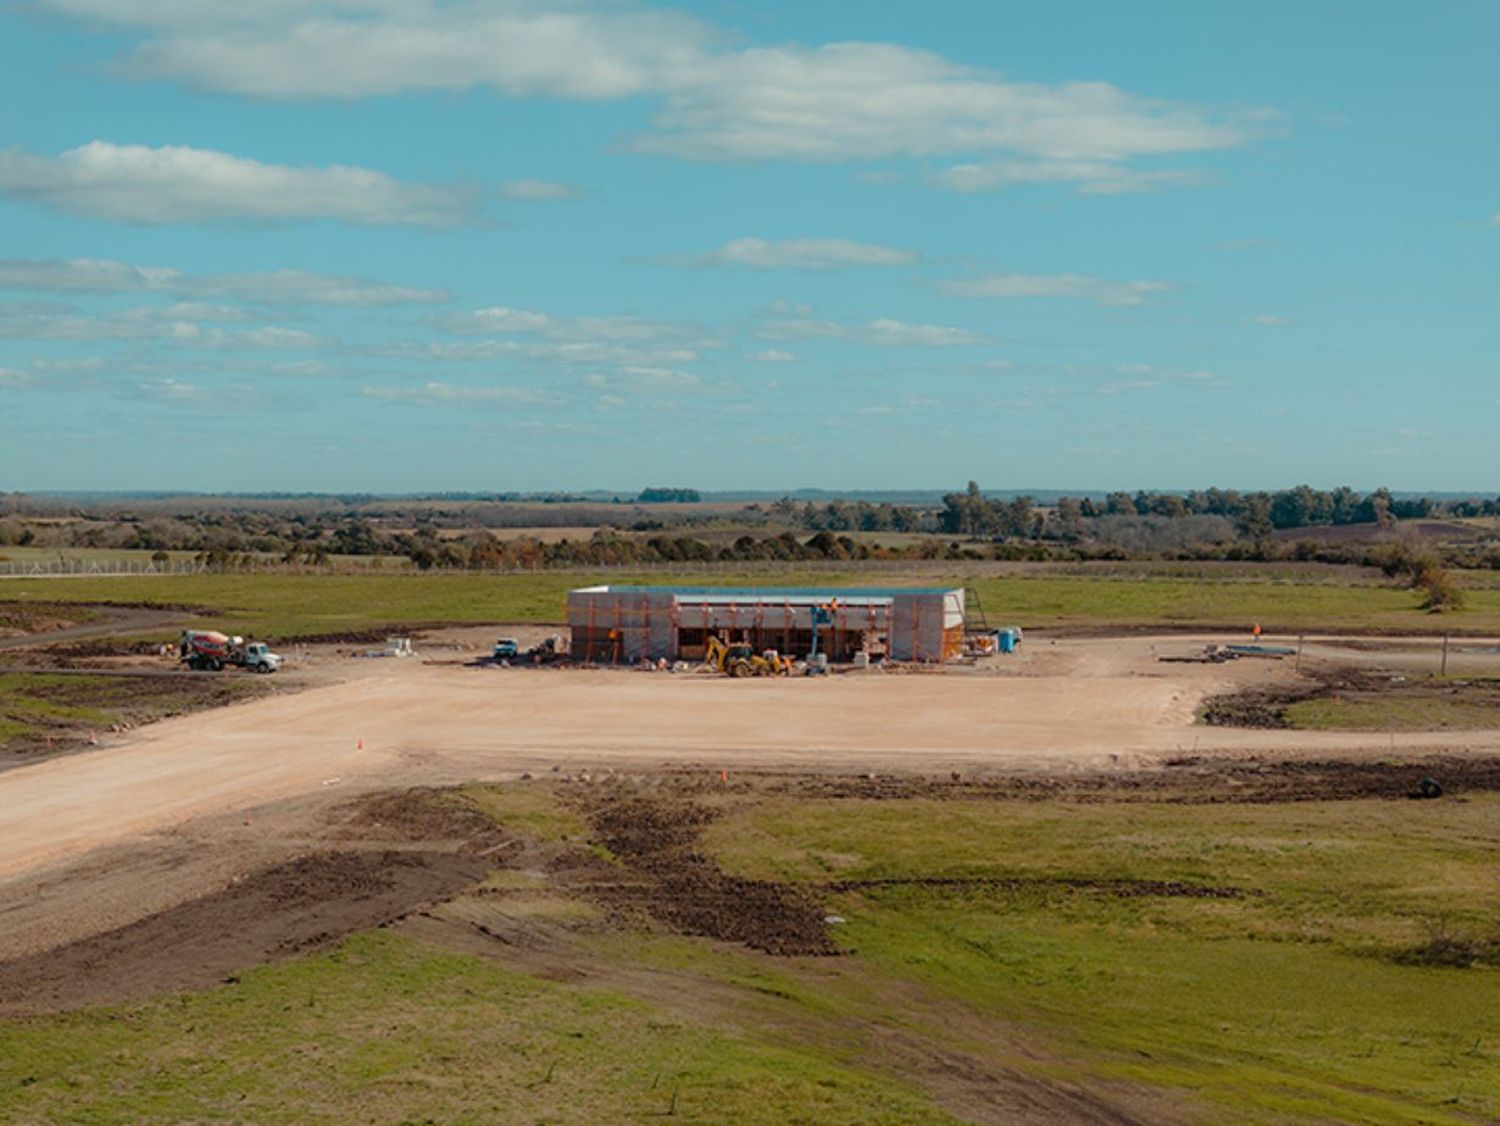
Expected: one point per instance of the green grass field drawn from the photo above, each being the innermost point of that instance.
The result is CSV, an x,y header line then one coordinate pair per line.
x,y
1302,998
1397,713
284,605
385,1029
1289,1001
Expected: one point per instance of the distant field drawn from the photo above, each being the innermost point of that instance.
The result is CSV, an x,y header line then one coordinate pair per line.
x,y
279,605
102,556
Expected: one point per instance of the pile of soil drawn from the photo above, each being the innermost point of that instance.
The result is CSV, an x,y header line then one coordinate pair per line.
x,y
422,815
655,839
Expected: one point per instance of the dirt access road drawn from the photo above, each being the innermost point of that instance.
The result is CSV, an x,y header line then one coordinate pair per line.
x,y
1094,704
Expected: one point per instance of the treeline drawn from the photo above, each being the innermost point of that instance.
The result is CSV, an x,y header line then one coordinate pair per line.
x,y
1207,524
661,495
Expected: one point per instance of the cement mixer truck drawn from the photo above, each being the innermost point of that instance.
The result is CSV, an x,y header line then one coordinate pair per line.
x,y
209,650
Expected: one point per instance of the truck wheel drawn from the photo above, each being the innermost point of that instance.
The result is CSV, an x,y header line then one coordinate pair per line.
x,y
262,667
214,666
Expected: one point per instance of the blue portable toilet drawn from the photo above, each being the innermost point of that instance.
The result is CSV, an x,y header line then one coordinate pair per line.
x,y
1009,639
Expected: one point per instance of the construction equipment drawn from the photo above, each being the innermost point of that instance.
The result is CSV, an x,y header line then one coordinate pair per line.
x,y
208,650
545,651
741,660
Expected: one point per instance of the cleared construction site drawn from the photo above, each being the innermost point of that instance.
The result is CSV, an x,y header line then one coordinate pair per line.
x,y
626,624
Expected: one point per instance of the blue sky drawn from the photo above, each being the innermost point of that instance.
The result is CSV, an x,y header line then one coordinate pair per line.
x,y
399,245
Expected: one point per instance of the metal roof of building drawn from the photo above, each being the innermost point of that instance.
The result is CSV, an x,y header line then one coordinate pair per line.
x,y
770,593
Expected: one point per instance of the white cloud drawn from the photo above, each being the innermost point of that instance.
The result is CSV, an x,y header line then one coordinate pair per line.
x,y
81,275
69,366
272,287
1268,320
172,390
805,254
177,184
882,333
849,101
839,101
10,377
298,287
437,393
588,353
1067,286
540,190
780,308
182,325
503,321
773,356
497,319
29,321
639,379
1093,177
256,339
357,48
180,392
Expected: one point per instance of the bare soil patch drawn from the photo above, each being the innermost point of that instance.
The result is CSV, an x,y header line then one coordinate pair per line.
x,y
22,619
667,878
25,625
1265,706
57,714
1184,780
381,859
279,911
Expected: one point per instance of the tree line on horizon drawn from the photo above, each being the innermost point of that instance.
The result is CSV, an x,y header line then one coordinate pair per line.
x,y
1198,525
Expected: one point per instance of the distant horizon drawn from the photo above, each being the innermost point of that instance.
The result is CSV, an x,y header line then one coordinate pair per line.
x,y
707,495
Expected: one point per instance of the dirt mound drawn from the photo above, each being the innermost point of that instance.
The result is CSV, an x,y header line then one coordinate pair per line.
x,y
679,887
423,814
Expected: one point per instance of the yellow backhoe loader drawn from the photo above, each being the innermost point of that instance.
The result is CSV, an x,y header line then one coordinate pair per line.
x,y
741,660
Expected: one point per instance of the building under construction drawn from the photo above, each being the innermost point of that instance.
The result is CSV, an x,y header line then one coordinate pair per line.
x,y
623,624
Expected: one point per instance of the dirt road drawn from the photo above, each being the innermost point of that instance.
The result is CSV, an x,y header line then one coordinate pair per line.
x,y
115,622
1087,706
